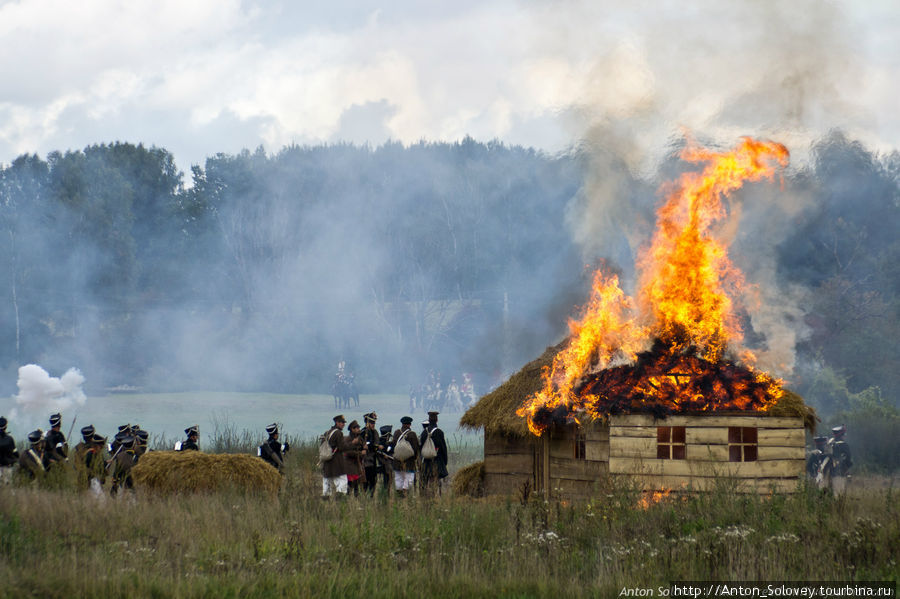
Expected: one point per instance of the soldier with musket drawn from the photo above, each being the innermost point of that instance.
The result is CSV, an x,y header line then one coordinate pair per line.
x,y
434,469
334,471
405,470
815,462
384,463
372,444
122,462
841,461
80,453
56,449
8,454
190,444
31,462
273,450
94,461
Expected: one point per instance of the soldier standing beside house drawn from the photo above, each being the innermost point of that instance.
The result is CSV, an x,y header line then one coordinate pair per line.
x,y
814,462
334,471
405,467
434,454
8,454
841,460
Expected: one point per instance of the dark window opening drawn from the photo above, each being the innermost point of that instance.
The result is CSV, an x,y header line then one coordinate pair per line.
x,y
580,453
742,444
670,443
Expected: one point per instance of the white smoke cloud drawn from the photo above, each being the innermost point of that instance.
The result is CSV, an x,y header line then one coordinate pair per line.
x,y
41,395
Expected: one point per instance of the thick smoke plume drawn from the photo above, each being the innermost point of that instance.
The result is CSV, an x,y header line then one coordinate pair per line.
x,y
41,395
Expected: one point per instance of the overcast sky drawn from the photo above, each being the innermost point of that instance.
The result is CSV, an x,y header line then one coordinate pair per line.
x,y
204,76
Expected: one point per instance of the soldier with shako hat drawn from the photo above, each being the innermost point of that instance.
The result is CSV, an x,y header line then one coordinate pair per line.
x,y
404,467
31,462
122,463
80,452
8,454
372,443
434,453
273,450
56,449
190,444
334,469
384,463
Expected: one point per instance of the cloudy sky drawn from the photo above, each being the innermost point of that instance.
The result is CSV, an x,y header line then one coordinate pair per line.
x,y
207,76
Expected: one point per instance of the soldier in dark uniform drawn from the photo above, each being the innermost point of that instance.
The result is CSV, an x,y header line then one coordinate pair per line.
x,y
384,465
79,455
31,462
840,458
193,433
95,462
272,451
334,471
9,457
405,471
814,461
373,446
55,448
141,438
434,470
122,463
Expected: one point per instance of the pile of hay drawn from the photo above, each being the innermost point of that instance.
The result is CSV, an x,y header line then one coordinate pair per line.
x,y
469,481
194,471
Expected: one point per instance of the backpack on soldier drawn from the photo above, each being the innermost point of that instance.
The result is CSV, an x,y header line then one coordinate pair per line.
x,y
403,450
326,452
429,451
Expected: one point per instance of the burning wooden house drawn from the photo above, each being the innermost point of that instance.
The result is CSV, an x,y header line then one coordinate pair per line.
x,y
652,389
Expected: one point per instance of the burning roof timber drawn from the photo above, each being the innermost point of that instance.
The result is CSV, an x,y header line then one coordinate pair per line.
x,y
675,347
495,412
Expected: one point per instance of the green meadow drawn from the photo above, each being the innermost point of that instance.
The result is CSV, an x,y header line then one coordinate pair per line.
x,y
56,541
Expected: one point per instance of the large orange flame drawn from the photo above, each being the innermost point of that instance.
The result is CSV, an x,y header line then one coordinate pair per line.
x,y
685,320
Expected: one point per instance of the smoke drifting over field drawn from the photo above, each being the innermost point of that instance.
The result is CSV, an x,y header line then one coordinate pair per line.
x,y
264,269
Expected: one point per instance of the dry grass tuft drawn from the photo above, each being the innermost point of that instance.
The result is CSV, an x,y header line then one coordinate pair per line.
x,y
469,481
194,471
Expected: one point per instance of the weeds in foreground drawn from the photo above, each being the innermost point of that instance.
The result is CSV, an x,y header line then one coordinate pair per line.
x,y
58,542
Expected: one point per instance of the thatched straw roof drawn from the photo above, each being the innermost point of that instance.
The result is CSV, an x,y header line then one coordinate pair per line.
x,y
496,411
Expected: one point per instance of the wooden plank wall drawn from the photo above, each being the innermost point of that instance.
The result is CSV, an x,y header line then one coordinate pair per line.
x,y
779,465
509,463
571,477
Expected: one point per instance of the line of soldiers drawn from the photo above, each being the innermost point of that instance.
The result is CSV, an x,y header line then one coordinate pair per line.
x,y
365,455
93,459
828,465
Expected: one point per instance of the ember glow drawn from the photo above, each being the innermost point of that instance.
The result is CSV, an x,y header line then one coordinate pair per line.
x,y
669,351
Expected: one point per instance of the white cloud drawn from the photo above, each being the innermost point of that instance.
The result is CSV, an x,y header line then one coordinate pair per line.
x,y
218,76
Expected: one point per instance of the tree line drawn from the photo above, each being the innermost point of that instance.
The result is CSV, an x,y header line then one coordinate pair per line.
x,y
262,270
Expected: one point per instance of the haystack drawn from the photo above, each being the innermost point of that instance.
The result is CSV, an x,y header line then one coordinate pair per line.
x,y
194,471
469,481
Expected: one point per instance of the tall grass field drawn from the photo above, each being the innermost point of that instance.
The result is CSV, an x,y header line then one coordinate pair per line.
x,y
56,541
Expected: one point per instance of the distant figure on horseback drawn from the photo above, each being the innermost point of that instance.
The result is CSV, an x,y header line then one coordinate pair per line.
x,y
343,389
